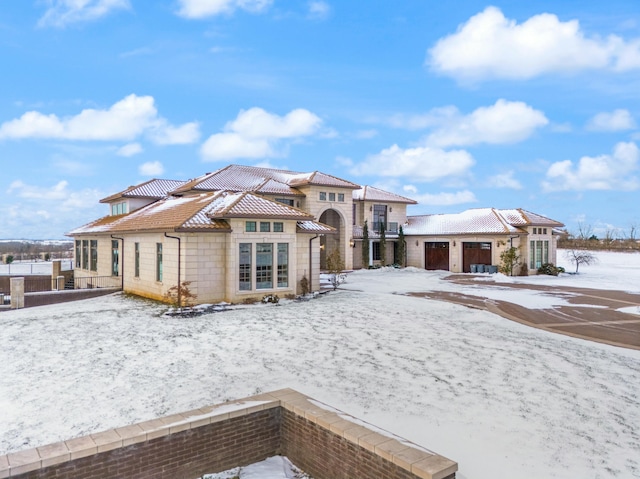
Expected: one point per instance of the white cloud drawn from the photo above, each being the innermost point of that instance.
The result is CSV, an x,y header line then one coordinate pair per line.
x,y
164,134
419,164
151,168
604,172
489,45
56,197
256,133
445,199
208,8
319,10
64,12
617,120
124,120
503,122
129,149
505,180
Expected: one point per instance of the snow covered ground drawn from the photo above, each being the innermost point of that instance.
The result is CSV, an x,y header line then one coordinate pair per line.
x,y
502,399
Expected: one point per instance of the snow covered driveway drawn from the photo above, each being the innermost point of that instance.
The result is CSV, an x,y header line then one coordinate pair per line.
x,y
502,399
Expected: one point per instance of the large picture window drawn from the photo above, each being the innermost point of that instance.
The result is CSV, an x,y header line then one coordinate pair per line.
x,y
78,254
379,217
137,260
115,258
244,269
264,265
159,264
283,265
85,254
538,253
94,255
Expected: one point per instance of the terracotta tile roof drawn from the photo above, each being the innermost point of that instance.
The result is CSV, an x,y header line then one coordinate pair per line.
x,y
369,193
481,220
315,227
203,212
247,205
260,180
476,221
154,189
320,179
535,219
167,214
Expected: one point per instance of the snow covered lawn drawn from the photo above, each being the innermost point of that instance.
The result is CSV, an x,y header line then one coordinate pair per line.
x,y
502,399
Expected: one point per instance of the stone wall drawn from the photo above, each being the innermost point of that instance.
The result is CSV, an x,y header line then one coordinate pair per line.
x,y
327,443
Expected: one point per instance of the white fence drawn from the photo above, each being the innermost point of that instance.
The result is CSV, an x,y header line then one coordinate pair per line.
x,y
27,268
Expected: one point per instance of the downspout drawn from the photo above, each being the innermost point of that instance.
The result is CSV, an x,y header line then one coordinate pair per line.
x,y
122,267
311,264
179,255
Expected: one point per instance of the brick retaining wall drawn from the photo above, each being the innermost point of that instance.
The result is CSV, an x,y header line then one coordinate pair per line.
x,y
326,443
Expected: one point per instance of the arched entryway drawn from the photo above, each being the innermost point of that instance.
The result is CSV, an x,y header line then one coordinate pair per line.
x,y
330,242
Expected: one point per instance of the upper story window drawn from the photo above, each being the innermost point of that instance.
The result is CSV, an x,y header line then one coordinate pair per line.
x,y
265,226
119,208
285,201
379,217
278,227
341,197
323,196
332,196
250,226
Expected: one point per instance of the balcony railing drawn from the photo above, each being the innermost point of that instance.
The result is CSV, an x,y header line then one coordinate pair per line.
x,y
391,227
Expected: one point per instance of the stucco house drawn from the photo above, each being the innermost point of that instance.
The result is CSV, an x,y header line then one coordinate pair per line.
x,y
243,232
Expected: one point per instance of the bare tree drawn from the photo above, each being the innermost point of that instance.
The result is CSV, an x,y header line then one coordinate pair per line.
x,y
578,257
585,231
609,236
335,266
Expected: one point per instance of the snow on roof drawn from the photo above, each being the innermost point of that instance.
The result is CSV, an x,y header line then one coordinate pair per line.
x,y
261,180
206,211
478,220
247,205
314,227
370,193
155,188
166,214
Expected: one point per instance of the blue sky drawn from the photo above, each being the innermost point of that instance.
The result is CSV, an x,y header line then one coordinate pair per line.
x,y
458,105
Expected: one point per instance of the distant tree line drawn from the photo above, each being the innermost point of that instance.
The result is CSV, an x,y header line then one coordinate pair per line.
x,y
609,239
31,250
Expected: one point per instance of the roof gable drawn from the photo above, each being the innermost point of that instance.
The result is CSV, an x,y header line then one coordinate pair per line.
x,y
206,211
370,193
154,189
476,221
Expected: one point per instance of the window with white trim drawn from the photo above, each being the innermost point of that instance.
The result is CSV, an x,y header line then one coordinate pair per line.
x,y
283,265
538,253
264,265
244,267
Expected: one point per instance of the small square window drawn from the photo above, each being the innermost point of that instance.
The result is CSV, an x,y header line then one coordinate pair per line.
x,y
265,226
544,231
250,226
323,196
341,197
278,227
332,196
